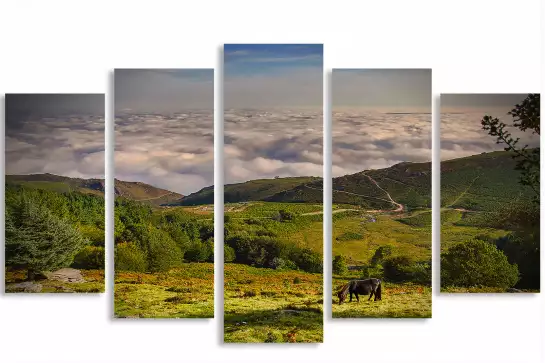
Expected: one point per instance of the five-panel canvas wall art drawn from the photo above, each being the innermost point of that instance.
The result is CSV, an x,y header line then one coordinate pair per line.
x,y
273,193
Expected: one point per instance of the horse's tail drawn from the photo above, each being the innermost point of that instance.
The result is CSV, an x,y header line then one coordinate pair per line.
x,y
343,292
378,292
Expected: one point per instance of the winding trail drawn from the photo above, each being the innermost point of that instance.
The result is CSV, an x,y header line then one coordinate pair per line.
x,y
161,196
463,193
391,200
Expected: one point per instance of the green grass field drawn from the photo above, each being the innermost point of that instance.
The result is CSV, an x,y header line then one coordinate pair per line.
x,y
264,305
398,301
184,292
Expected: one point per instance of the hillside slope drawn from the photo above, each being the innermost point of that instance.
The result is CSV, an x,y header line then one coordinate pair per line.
x,y
62,184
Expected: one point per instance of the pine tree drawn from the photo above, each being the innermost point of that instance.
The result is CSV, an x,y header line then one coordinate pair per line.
x,y
38,240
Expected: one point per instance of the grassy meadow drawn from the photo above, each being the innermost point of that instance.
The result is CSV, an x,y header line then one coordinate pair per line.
x,y
164,261
268,306
273,272
182,292
357,236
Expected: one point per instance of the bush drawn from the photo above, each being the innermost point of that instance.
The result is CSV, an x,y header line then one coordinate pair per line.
x,y
228,253
90,258
523,250
285,215
397,268
339,265
380,254
307,260
163,253
477,263
128,257
279,263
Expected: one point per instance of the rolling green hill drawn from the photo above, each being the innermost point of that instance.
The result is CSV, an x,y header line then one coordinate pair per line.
x,y
482,182
131,190
253,190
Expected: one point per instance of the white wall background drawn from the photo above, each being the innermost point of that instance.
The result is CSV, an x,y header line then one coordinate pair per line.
x,y
472,46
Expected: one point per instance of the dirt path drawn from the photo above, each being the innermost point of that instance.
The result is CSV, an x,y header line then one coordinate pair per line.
x,y
464,192
334,212
161,196
391,200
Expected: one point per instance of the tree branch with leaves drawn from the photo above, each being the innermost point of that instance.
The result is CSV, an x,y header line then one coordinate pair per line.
x,y
526,116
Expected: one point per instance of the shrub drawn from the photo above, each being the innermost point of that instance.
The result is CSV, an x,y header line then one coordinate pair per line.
x,y
380,254
90,258
397,268
163,253
339,265
523,250
279,263
285,215
307,260
228,253
128,257
477,263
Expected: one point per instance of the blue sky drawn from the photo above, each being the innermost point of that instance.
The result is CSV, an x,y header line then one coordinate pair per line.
x,y
273,75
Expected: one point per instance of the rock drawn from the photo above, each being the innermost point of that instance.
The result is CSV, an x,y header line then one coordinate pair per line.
x,y
513,290
27,286
66,275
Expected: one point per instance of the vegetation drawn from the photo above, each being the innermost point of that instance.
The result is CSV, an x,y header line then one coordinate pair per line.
x,y
265,305
475,263
186,291
490,215
47,230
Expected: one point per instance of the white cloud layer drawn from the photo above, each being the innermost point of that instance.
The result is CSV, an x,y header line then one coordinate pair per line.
x,y
364,139
267,143
69,145
462,134
174,152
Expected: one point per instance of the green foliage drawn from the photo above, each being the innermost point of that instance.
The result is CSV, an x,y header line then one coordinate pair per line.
x,y
477,263
228,253
526,116
90,258
128,257
523,250
404,269
339,265
162,252
36,238
380,254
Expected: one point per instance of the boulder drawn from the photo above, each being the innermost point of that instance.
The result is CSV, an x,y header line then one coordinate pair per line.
x,y
27,286
66,275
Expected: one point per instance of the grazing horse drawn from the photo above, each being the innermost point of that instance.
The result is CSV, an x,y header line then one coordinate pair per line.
x,y
361,287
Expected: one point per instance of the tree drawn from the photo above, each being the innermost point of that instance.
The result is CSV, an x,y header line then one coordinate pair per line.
x,y
285,215
526,116
339,265
38,240
380,254
477,263
128,257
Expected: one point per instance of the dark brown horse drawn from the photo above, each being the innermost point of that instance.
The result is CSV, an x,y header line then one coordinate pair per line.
x,y
361,287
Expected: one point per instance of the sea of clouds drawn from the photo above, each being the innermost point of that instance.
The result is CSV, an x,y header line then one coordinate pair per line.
x,y
364,140
462,134
174,151
267,143
69,145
